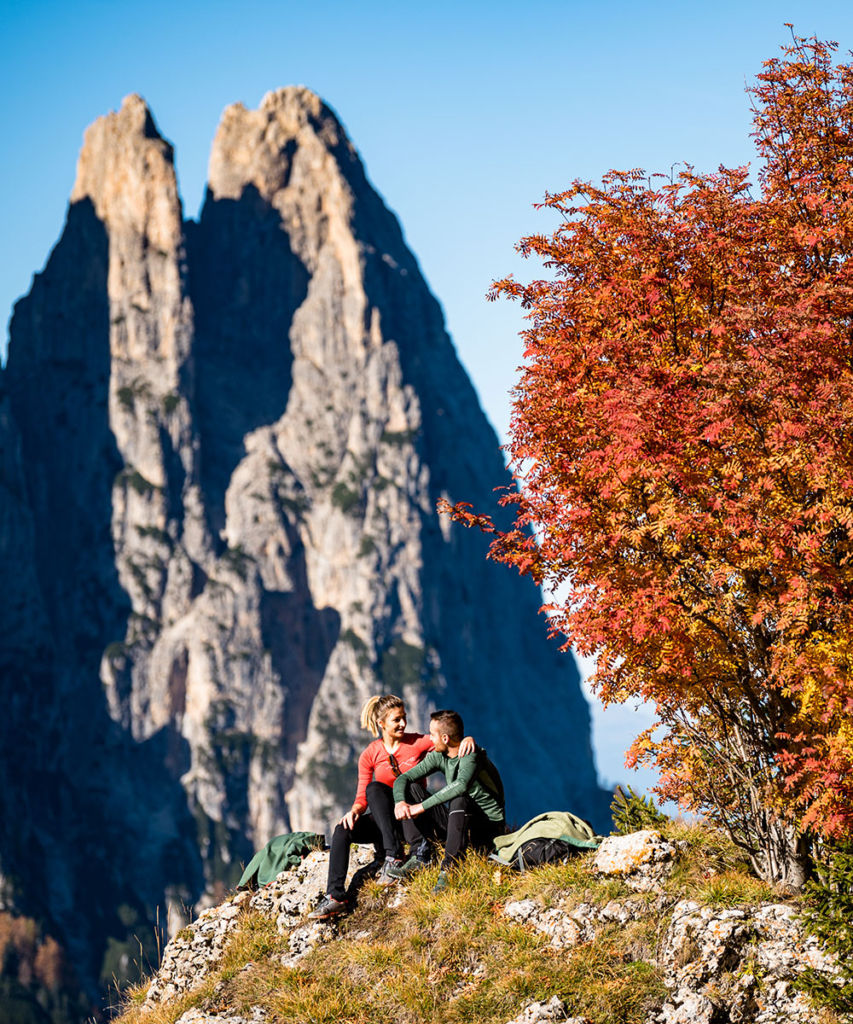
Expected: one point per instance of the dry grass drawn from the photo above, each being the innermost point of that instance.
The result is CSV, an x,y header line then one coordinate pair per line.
x,y
454,958
134,1013
712,870
443,959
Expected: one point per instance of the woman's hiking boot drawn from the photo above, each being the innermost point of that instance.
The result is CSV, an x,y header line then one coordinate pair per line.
x,y
330,907
440,883
386,874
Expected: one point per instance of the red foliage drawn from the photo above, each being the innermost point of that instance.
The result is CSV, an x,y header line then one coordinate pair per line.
x,y
683,437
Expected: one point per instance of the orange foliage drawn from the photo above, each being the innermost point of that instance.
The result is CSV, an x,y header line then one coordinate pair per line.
x,y
35,959
683,438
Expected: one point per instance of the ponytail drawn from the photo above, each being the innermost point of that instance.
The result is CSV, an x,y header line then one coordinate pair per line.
x,y
374,711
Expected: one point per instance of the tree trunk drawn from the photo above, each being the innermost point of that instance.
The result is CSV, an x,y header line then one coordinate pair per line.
x,y
784,856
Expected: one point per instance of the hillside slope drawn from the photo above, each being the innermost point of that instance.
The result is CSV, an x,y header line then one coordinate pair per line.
x,y
651,929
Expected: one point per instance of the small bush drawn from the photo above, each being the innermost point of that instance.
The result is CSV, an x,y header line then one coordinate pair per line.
x,y
366,547
633,813
125,397
398,437
352,638
829,916
155,533
115,650
237,560
130,477
170,402
297,503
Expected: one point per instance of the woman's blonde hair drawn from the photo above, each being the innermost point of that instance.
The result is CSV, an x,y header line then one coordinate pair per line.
x,y
375,710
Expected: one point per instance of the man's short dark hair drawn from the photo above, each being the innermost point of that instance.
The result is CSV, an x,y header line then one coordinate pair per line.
x,y
450,724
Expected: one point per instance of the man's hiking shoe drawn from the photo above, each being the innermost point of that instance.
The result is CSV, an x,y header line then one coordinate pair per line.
x,y
330,907
398,871
387,873
440,882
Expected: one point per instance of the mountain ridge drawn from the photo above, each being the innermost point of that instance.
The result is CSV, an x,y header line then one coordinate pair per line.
x,y
232,435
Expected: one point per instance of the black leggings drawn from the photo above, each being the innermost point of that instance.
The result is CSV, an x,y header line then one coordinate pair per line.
x,y
461,820
378,827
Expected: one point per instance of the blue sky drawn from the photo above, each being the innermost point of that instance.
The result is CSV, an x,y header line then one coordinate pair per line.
x,y
465,113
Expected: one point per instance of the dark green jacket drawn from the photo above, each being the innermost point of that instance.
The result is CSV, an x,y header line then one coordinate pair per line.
x,y
282,853
473,775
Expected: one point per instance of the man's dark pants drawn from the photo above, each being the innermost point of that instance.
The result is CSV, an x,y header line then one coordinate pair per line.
x,y
462,822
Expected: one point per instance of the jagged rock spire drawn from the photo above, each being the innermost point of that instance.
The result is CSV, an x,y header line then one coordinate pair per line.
x,y
233,436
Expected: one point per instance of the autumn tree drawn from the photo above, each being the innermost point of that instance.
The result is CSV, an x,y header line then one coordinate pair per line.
x,y
682,434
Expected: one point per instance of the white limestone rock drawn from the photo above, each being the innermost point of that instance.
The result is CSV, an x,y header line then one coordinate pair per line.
x,y
197,948
553,1009
640,859
739,962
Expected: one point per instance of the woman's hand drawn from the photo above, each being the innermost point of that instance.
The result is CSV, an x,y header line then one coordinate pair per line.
x,y
467,746
350,818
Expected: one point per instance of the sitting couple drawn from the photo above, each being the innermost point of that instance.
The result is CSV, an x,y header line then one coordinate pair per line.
x,y
390,791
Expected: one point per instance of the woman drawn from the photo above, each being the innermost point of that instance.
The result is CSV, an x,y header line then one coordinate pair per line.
x,y
393,752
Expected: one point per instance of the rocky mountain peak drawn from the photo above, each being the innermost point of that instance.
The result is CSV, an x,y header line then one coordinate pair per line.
x,y
226,441
127,171
257,146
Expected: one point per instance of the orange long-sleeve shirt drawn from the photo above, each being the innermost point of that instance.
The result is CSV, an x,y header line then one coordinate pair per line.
x,y
374,763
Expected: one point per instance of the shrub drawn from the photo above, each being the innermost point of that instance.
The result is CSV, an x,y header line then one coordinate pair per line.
x,y
170,402
352,638
366,547
632,813
130,477
236,559
398,437
115,650
155,533
125,396
829,916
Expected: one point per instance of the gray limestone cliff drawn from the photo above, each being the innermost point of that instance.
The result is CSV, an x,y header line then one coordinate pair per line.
x,y
221,448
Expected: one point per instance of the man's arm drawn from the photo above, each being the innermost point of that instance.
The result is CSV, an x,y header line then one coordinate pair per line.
x,y
430,764
460,785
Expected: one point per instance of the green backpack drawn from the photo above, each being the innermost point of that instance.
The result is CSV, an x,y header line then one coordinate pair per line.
x,y
545,839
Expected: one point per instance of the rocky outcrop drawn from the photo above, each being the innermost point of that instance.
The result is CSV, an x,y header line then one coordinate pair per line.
x,y
198,947
741,961
221,448
736,964
642,859
539,1011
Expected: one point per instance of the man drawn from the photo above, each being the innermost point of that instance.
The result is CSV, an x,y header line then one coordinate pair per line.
x,y
471,801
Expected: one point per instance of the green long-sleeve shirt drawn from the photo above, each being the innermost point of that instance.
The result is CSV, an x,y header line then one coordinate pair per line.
x,y
473,775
